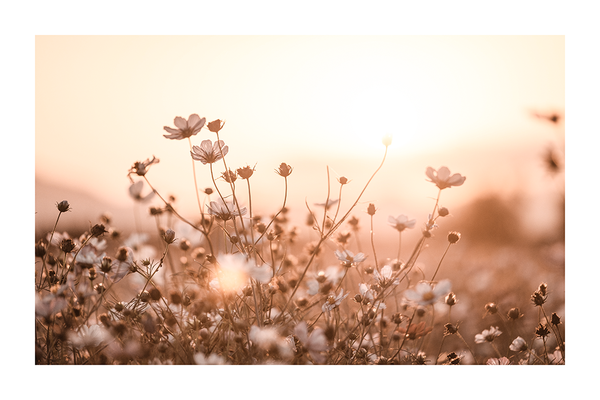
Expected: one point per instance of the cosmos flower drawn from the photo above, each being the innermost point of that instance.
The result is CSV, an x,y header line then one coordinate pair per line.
x,y
401,222
89,336
424,293
488,335
315,343
185,128
140,168
519,344
212,359
269,339
348,258
443,179
209,152
135,191
225,210
385,276
333,301
235,270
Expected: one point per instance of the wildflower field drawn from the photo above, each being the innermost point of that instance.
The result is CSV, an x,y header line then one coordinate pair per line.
x,y
227,285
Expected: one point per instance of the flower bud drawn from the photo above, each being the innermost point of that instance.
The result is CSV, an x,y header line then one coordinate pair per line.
x,y
40,249
343,180
491,308
63,206
555,319
514,313
169,236
208,191
451,299
443,211
371,209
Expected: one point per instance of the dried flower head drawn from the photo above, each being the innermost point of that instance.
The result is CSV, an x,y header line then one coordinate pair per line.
x,y
229,176
209,152
443,179
284,170
185,128
453,237
216,125
169,236
67,245
245,172
514,313
140,168
98,230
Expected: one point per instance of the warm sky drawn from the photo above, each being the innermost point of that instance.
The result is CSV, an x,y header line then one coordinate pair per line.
x,y
311,101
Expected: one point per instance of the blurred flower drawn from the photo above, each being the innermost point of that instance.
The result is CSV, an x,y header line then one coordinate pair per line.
x,y
89,336
443,179
333,301
88,258
225,210
401,222
519,344
141,167
348,259
424,293
315,344
212,359
63,206
135,191
415,331
498,361
327,204
387,140
556,357
185,128
488,335
209,152
269,339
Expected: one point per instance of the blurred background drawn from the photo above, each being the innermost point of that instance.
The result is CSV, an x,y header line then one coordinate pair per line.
x,y
481,105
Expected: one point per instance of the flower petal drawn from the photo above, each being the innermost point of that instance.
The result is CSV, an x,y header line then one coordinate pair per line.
x,y
180,122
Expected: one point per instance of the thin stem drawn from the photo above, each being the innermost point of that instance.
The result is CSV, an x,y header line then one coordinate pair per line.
x,y
440,263
373,245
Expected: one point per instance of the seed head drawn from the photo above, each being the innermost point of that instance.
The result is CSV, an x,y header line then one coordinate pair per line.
x,y
443,211
538,298
98,230
284,170
542,330
67,245
453,237
343,180
229,176
555,319
245,172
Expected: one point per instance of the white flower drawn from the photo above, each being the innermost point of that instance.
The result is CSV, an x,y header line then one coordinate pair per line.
x,y
185,128
498,361
556,357
366,293
89,336
401,222
333,301
424,293
225,210
348,259
443,179
209,152
135,191
268,338
87,256
315,344
488,335
385,276
519,344
212,359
